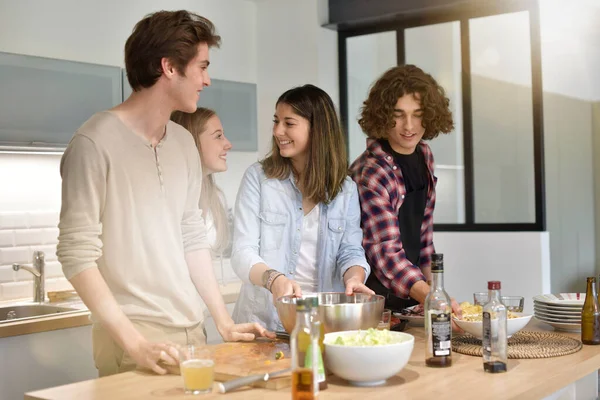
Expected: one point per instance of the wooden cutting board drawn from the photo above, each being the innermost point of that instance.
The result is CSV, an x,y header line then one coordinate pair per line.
x,y
235,360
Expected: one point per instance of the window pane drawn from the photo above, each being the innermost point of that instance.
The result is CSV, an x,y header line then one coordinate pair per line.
x,y
503,164
368,57
436,50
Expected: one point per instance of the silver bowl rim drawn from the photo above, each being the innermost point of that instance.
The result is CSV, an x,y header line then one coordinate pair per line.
x,y
375,298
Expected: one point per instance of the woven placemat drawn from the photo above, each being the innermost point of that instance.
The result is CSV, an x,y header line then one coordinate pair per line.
x,y
523,344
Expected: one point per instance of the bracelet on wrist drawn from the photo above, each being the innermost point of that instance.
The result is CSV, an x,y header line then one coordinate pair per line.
x,y
274,278
268,277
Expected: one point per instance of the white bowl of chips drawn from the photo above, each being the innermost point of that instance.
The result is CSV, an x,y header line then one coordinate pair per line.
x,y
471,321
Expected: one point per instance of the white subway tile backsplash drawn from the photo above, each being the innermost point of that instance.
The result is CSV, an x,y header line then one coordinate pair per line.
x,y
23,275
17,290
13,220
6,273
43,219
22,233
7,238
9,255
50,235
54,270
25,237
49,252
55,285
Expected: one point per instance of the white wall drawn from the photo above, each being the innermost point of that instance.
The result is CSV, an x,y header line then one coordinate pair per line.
x,y
292,50
520,261
64,29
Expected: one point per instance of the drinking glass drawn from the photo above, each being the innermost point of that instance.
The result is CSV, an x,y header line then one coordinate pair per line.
x,y
197,367
386,320
480,298
513,303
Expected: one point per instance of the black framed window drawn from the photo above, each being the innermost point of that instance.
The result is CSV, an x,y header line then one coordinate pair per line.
x,y
488,59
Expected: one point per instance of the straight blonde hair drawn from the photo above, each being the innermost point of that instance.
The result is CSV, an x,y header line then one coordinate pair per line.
x,y
211,196
327,162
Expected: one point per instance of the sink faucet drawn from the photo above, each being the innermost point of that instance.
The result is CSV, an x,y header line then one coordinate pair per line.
x,y
39,278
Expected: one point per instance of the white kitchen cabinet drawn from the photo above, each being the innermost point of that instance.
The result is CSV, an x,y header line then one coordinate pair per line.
x,y
44,100
46,359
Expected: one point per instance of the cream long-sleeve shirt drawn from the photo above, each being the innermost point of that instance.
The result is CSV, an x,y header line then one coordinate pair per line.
x,y
132,212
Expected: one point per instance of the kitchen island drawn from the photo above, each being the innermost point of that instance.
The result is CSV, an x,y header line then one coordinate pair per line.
x,y
526,379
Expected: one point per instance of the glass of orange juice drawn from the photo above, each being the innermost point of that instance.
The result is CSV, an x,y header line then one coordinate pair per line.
x,y
197,367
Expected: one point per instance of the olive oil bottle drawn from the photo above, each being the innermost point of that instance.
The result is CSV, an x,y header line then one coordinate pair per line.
x,y
304,338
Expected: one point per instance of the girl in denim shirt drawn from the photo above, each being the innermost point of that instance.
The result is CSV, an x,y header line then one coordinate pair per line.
x,y
297,214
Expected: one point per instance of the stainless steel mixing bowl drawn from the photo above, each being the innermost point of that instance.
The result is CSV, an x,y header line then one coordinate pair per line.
x,y
338,312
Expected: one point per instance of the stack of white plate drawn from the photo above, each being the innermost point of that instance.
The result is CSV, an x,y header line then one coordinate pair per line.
x,y
562,311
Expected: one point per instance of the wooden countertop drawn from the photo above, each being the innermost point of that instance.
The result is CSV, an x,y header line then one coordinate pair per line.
x,y
52,322
526,379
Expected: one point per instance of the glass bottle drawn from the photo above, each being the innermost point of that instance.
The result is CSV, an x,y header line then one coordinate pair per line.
x,y
318,326
304,337
495,342
438,325
590,315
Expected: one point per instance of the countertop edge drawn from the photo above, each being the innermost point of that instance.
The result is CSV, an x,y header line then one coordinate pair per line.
x,y
46,324
230,293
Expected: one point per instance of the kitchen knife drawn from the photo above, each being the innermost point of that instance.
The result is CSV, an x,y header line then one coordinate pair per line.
x,y
233,384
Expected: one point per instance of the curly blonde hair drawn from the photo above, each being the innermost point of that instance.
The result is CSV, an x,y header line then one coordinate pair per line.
x,y
377,113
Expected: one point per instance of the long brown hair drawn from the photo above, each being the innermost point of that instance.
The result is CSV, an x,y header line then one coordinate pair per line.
x,y
211,196
327,162
171,34
377,116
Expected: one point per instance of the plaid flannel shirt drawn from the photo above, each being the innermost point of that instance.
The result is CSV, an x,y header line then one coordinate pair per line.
x,y
381,190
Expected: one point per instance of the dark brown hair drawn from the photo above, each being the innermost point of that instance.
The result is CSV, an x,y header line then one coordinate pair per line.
x,y
171,34
211,196
377,115
327,163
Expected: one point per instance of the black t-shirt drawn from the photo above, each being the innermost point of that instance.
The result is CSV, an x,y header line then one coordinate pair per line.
x,y
413,167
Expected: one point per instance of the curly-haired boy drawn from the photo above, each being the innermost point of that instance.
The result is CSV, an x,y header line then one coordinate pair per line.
x,y
396,182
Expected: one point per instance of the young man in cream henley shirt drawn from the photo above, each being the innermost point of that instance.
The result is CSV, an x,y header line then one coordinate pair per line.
x,y
132,238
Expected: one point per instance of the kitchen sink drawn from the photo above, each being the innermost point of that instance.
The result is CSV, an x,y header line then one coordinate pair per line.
x,y
26,311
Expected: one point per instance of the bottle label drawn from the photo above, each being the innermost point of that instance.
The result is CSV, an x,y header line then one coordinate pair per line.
x,y
441,334
308,362
487,334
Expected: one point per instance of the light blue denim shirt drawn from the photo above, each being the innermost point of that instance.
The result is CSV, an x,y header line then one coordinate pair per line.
x,y
268,229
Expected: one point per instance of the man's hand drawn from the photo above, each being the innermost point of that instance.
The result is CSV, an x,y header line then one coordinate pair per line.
x,y
282,286
355,285
148,355
243,332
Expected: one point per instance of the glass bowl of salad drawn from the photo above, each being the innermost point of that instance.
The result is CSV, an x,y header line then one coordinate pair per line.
x,y
367,357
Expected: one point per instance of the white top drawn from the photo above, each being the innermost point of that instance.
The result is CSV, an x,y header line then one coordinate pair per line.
x,y
131,211
306,270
